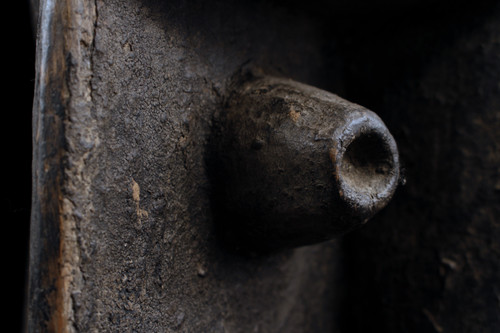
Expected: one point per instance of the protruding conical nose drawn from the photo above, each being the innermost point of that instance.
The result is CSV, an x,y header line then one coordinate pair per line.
x,y
271,164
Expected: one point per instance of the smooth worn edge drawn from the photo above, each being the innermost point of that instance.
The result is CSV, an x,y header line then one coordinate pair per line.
x,y
54,253
44,308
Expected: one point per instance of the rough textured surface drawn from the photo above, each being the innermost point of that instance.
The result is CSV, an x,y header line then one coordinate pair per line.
x,y
122,232
132,212
152,263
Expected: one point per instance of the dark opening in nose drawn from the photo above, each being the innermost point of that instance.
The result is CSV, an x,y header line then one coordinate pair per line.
x,y
368,164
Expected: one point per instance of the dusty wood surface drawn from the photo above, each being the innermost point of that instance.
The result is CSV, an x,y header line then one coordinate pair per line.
x,y
122,232
125,233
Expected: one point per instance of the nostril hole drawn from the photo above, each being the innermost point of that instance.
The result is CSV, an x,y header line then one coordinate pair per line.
x,y
367,165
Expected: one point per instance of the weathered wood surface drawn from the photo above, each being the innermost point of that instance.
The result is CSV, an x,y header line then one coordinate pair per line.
x,y
122,232
62,135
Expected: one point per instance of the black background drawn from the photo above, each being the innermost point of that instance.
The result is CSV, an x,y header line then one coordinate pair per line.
x,y
19,65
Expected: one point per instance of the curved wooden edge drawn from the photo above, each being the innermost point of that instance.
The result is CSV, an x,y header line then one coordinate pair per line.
x,y
53,255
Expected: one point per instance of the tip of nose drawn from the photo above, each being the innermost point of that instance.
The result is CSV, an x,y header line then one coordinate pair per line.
x,y
367,163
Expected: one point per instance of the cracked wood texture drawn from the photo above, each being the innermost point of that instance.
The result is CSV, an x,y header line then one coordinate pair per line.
x,y
122,234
